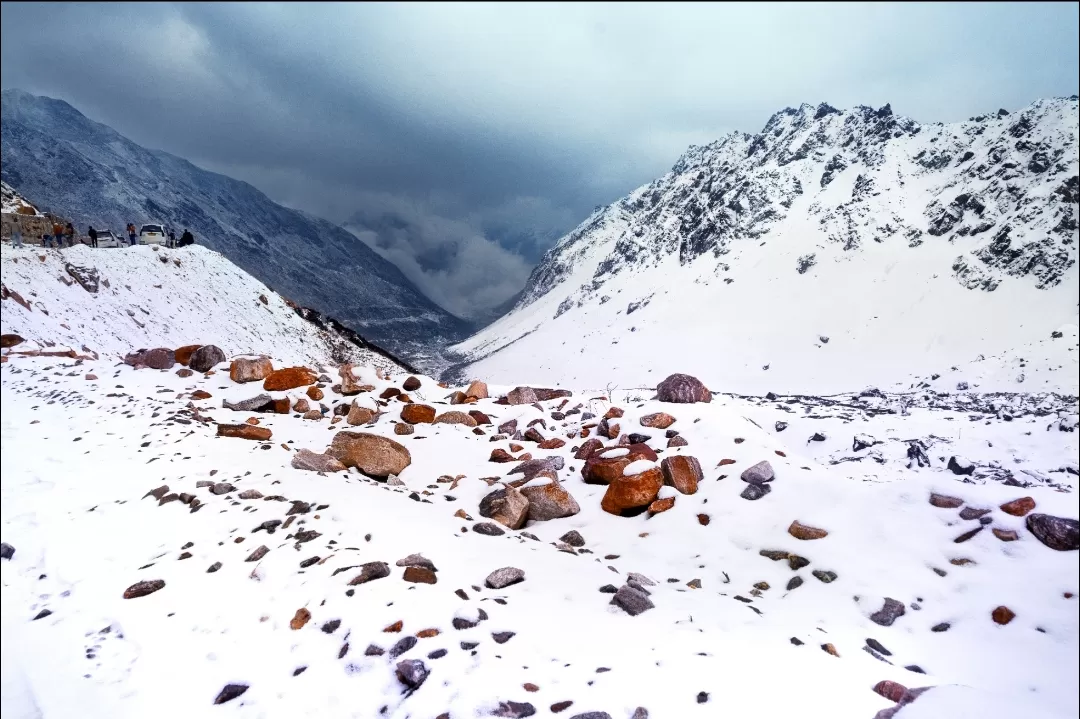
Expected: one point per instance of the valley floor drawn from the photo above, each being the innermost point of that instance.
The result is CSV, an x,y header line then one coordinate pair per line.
x,y
81,454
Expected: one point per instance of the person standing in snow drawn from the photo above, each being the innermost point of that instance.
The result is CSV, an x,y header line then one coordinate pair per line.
x,y
58,234
187,238
93,236
172,238
16,236
131,233
69,233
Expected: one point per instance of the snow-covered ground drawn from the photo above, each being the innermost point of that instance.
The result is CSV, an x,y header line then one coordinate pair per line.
x,y
147,296
80,455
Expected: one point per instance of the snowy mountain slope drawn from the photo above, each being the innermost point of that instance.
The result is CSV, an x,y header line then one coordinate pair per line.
x,y
151,297
728,626
909,247
58,158
14,202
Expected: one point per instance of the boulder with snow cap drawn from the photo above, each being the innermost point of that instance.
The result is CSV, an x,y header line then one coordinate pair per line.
x,y
632,494
372,454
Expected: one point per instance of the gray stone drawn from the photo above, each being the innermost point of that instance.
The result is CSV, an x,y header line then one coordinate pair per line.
x,y
489,529
412,673
1055,532
755,491
371,571
417,560
206,358
504,577
258,403
760,473
573,538
631,600
889,612
403,645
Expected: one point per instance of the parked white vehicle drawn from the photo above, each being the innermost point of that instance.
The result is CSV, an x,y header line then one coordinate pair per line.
x,y
107,238
152,235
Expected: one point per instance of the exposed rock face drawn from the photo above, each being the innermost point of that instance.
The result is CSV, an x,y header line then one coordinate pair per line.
x,y
250,370
206,358
349,384
244,431
683,389
1055,532
306,459
289,378
633,494
372,454
508,506
682,472
158,358
417,414
550,501
258,403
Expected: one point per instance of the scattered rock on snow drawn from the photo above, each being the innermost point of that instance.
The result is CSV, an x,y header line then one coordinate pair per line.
x,y
504,577
250,370
1018,507
308,460
632,601
943,501
412,673
889,612
629,495
372,454
805,532
961,466
760,473
141,589
206,358
369,572
230,692
244,431
549,501
1055,532
682,389
682,472
507,506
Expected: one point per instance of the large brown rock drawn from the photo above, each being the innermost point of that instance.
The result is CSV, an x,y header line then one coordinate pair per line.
x,y
417,414
157,358
183,354
359,415
244,431
509,507
633,494
682,472
455,418
477,390
1018,507
588,448
289,378
205,358
250,370
599,469
805,532
411,384
313,462
682,389
372,454
521,395
7,341
550,501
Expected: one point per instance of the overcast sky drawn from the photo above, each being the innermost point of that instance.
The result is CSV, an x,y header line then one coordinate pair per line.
x,y
461,140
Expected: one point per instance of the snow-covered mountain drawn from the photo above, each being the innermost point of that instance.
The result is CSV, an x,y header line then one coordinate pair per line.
x,y
59,159
108,302
832,250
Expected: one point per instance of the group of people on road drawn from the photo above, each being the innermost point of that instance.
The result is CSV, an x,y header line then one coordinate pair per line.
x,y
60,233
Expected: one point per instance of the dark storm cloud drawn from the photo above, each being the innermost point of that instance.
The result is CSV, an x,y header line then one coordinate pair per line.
x,y
461,140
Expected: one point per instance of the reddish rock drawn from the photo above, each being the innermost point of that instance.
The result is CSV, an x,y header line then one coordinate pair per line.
x,y
890,690
185,372
244,431
677,441
250,370
603,470
301,405
802,531
828,648
479,417
477,390
682,472
627,495
587,448
682,389
201,394
183,354
1003,615
427,633
157,358
302,617
314,393
141,589
403,428
943,501
553,443
657,420
613,413
389,393
281,406
411,384
359,415
500,455
1006,535
349,384
289,378
703,520
417,414
532,434
661,505
372,454
641,451
395,627
457,397
725,462
455,418
10,340
313,462
1018,507
420,575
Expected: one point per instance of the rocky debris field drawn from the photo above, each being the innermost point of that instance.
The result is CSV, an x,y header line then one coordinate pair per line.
x,y
343,541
